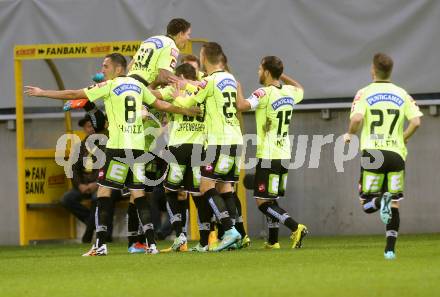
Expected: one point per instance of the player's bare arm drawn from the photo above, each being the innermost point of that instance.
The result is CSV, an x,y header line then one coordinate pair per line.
x,y
167,107
156,93
355,124
290,81
53,94
242,104
414,124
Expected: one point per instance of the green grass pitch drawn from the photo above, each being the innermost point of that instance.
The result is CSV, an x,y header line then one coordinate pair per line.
x,y
326,266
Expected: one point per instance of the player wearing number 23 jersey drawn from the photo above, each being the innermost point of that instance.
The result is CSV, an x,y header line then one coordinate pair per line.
x,y
218,92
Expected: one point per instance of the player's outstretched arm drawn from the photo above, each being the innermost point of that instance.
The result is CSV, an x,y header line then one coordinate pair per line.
x,y
414,124
53,94
242,104
290,81
167,107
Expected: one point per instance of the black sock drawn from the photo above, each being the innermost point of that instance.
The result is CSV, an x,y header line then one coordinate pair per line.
x,y
144,213
272,210
184,210
173,209
141,235
213,223
219,207
132,223
274,226
228,197
239,222
204,212
392,229
102,209
371,205
220,231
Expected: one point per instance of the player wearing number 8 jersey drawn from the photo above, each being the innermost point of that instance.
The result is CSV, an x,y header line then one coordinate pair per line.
x,y
382,107
123,97
218,91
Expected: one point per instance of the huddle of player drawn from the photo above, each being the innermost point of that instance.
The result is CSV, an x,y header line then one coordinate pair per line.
x,y
205,141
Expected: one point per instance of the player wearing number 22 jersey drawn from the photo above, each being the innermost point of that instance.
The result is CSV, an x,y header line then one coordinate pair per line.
x,y
273,105
156,57
382,108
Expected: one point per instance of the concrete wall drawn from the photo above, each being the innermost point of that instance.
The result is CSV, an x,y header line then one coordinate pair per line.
x,y
39,134
326,201
8,187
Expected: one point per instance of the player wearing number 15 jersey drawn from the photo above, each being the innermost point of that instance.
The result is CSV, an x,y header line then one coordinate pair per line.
x,y
273,105
382,107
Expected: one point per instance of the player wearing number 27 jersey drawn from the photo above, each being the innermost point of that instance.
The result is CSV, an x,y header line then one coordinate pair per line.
x,y
385,107
382,107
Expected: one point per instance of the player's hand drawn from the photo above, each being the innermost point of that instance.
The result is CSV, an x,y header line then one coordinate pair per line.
x,y
176,92
347,138
145,113
33,91
181,82
193,111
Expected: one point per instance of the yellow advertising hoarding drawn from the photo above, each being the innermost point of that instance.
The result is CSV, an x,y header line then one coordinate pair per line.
x,y
75,50
45,181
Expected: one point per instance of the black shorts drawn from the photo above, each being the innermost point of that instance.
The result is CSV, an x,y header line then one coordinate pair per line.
x,y
270,179
117,175
154,173
388,177
222,163
184,174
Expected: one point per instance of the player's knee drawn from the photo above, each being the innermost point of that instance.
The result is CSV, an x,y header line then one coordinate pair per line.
x,y
224,187
182,195
205,186
104,192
